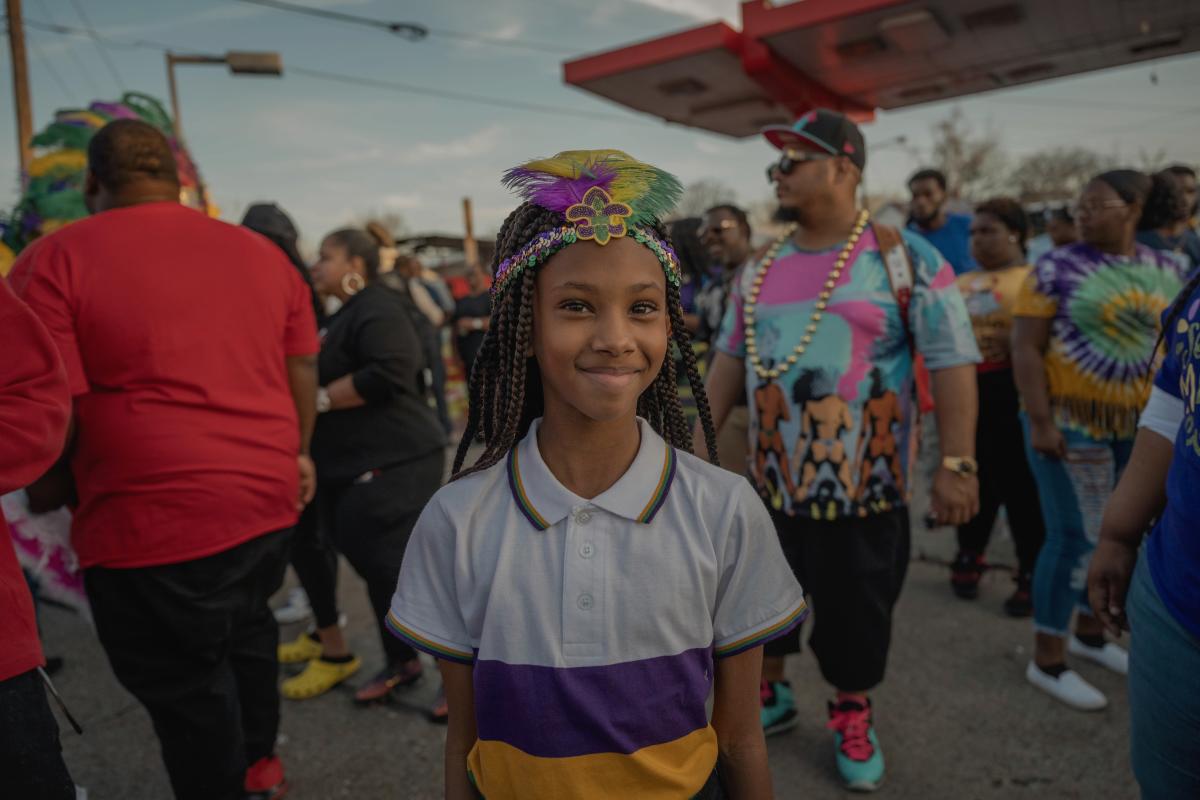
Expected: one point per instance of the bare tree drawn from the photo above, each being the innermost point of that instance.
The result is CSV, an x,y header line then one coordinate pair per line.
x,y
1056,174
973,162
702,195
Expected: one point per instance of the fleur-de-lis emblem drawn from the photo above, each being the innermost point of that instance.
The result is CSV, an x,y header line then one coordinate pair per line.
x,y
598,217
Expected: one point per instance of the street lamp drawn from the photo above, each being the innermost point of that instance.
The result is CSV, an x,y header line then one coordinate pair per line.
x,y
239,63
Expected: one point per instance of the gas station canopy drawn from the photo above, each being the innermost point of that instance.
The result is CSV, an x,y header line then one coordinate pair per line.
x,y
859,55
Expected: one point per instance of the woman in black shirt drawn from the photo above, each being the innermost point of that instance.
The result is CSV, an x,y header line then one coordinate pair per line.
x,y
378,445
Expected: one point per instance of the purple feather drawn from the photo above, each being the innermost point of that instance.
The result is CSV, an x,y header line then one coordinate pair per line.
x,y
113,110
554,192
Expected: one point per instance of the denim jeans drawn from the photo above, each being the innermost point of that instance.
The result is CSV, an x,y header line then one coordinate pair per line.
x,y
1164,695
1073,493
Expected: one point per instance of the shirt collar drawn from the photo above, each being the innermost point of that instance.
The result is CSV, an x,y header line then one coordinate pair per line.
x,y
637,495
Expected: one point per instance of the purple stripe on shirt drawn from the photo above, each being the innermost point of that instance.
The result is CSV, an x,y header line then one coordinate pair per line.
x,y
555,712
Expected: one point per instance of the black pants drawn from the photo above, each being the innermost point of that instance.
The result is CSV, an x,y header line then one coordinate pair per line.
x,y
31,762
1004,475
852,570
369,521
315,562
196,643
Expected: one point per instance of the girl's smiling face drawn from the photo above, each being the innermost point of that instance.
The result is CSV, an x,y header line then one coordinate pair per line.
x,y
601,328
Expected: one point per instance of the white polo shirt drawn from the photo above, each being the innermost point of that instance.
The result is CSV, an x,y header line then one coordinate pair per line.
x,y
592,624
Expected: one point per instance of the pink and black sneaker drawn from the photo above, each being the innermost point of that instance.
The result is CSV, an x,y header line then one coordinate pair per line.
x,y
859,759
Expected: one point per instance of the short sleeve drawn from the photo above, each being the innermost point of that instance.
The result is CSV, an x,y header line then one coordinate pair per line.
x,y
425,611
937,316
300,337
43,278
758,598
1038,296
731,339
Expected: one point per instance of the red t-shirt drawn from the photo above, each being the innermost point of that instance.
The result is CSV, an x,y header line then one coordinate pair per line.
x,y
34,408
174,329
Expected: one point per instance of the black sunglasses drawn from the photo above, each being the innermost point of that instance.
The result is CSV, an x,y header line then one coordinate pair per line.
x,y
788,162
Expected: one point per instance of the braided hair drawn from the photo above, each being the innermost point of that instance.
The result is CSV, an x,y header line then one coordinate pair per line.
x,y
506,384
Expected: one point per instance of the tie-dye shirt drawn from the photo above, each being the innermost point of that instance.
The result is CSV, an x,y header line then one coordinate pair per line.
x,y
833,436
1104,311
593,625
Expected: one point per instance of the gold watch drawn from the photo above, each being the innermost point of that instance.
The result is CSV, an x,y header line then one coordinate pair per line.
x,y
961,465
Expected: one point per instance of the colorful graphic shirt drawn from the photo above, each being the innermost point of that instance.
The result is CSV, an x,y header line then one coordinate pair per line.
x,y
1173,549
592,625
1104,311
832,437
990,296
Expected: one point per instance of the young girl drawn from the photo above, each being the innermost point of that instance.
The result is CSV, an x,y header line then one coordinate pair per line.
x,y
587,582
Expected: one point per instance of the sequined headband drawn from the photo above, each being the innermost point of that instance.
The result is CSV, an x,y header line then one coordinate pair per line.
x,y
602,195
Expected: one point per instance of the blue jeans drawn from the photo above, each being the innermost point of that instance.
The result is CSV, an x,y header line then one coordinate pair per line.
x,y
1073,491
1164,695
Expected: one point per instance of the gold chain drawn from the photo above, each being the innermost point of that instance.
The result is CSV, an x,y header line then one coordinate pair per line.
x,y
751,304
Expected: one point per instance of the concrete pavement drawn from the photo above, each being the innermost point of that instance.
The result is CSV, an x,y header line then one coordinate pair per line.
x,y
956,718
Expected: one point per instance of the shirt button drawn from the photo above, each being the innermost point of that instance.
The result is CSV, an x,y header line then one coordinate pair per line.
x,y
587,550
585,602
583,517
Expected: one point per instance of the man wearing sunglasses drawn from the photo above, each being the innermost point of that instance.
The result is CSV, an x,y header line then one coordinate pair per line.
x,y
853,303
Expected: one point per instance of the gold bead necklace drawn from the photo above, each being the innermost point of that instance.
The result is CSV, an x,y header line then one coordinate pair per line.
x,y
751,304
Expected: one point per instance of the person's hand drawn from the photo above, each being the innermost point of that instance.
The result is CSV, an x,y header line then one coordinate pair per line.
x,y
308,481
1108,582
1047,440
955,498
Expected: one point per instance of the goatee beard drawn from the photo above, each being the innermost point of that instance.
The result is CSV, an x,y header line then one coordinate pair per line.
x,y
785,214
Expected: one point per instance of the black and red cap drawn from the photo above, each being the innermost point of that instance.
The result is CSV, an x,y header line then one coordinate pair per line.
x,y
823,131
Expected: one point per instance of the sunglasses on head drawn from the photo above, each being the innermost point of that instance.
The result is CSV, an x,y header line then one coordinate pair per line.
x,y
790,159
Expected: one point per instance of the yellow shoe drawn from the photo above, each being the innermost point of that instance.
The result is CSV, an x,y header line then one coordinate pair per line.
x,y
318,677
303,648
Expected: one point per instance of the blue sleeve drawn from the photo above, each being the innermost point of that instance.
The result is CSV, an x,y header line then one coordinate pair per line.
x,y
937,316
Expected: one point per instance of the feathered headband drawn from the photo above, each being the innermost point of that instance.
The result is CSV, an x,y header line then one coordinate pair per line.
x,y
602,195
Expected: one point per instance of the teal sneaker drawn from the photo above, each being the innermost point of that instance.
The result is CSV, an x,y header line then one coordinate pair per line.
x,y
778,711
859,759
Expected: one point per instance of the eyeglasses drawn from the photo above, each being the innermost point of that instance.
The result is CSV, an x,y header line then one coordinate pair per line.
x,y
716,228
790,160
1096,207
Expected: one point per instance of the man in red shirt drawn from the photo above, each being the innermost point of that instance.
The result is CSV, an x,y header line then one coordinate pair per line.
x,y
34,409
190,349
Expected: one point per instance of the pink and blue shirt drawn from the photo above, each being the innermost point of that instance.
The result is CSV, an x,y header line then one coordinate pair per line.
x,y
833,437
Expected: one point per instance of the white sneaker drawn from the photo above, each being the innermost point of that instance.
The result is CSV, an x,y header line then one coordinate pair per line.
x,y
1110,656
297,608
1068,687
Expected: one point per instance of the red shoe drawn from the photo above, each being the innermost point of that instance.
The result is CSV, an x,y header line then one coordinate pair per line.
x,y
265,781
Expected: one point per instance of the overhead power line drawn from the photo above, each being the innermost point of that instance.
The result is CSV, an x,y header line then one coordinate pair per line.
x,y
84,73
409,30
91,31
360,81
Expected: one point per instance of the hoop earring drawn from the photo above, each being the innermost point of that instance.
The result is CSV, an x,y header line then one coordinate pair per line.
x,y
353,283
1012,238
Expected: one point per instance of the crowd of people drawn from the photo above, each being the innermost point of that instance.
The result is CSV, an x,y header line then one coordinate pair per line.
x,y
677,440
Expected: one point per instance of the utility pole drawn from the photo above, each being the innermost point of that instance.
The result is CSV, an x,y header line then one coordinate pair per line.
x,y
20,73
470,248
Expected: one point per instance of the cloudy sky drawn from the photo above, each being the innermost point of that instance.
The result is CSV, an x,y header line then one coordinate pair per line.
x,y
331,151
